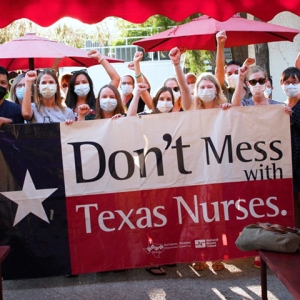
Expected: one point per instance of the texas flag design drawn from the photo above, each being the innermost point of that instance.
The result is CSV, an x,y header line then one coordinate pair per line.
x,y
160,189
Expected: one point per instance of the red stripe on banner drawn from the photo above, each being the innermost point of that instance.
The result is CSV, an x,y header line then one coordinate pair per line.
x,y
175,225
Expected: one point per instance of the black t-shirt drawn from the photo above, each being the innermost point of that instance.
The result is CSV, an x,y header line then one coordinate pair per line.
x,y
141,105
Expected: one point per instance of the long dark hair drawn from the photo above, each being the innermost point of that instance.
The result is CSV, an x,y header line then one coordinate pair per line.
x,y
71,100
156,97
119,108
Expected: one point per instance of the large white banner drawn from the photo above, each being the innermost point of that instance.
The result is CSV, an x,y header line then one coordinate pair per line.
x,y
176,149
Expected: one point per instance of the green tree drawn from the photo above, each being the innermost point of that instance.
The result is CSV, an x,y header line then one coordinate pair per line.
x,y
129,32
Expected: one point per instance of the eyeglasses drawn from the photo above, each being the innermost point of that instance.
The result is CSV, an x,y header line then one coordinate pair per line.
x,y
288,82
261,81
77,71
175,89
45,70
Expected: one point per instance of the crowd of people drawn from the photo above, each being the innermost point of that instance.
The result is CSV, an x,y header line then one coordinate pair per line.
x,y
40,97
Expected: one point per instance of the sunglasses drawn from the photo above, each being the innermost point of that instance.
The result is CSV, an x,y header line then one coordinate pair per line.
x,y
77,71
175,89
43,71
64,86
261,81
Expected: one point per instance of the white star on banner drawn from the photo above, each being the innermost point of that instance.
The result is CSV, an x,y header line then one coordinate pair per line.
x,y
29,200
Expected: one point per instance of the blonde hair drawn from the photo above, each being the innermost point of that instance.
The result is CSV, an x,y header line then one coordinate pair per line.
x,y
256,69
38,96
219,99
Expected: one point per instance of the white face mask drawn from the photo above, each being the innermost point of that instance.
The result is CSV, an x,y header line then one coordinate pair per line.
x,y
267,92
258,89
176,95
192,87
126,89
48,90
164,106
232,80
291,90
108,104
82,90
207,95
20,93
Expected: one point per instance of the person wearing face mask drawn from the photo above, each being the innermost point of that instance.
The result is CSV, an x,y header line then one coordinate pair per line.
x,y
64,84
162,102
290,83
256,79
17,89
191,81
269,88
128,84
47,106
172,83
208,89
10,112
109,103
81,89
227,75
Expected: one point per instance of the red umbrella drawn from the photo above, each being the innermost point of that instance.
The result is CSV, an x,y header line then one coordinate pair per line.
x,y
137,11
31,51
199,34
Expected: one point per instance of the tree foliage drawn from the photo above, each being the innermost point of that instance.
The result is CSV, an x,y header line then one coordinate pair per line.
x,y
129,32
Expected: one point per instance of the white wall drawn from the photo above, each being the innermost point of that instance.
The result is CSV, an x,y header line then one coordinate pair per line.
x,y
156,73
283,54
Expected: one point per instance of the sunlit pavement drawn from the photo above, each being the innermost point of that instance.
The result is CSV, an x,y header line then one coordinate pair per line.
x,y
239,280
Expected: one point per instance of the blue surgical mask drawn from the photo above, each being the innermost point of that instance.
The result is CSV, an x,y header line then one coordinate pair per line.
x,y
20,93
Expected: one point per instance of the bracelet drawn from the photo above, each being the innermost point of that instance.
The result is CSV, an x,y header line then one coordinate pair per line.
x,y
139,75
99,61
177,66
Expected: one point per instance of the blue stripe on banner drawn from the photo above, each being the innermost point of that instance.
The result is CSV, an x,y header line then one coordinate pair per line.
x,y
36,233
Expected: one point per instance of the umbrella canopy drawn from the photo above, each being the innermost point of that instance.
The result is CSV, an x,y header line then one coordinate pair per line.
x,y
199,34
137,11
31,51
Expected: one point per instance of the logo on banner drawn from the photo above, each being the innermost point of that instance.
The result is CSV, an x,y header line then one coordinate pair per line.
x,y
200,244
154,249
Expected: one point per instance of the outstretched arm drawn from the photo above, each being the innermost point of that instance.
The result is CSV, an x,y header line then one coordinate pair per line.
x,y
140,77
142,89
30,78
186,96
239,91
221,38
112,73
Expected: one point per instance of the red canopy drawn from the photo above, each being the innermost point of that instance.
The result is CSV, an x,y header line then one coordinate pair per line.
x,y
31,51
200,34
137,11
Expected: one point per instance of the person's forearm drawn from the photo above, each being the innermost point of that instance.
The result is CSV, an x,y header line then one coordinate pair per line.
x,y
220,63
133,107
186,96
238,94
112,73
26,103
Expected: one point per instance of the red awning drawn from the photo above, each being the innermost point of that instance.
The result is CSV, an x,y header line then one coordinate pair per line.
x,y
137,11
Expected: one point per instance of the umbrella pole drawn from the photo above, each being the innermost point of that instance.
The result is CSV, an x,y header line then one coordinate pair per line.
x,y
31,63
